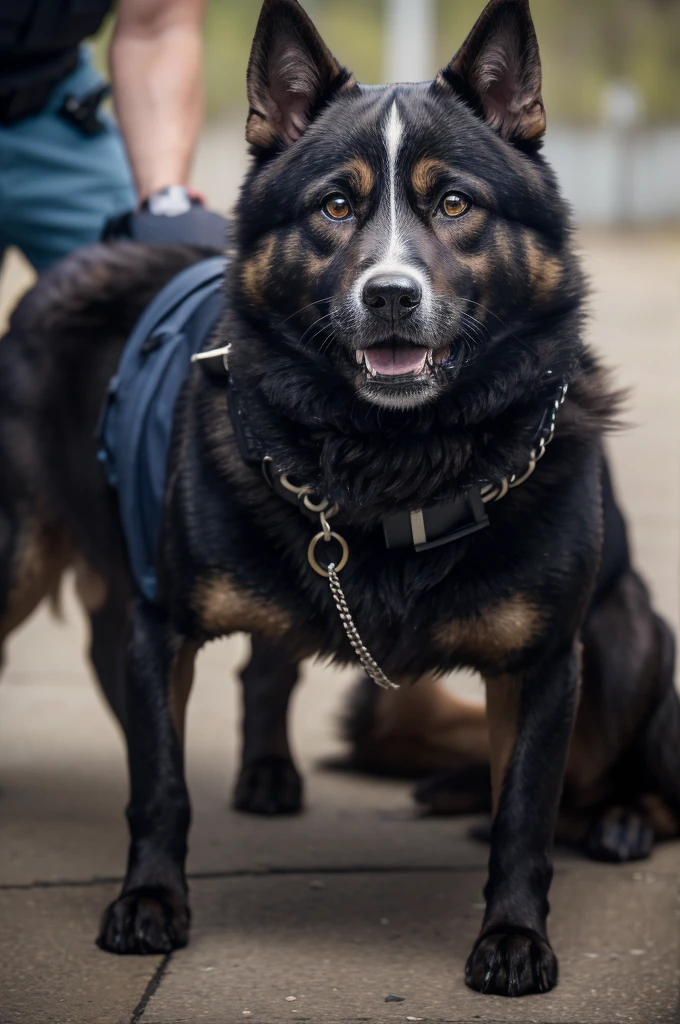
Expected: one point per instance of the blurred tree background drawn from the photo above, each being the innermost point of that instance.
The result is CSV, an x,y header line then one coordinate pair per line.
x,y
585,44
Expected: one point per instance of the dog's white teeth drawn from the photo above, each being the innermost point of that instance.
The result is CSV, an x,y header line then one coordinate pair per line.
x,y
430,357
373,373
360,354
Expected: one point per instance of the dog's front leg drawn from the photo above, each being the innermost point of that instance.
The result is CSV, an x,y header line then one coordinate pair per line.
x,y
151,915
530,722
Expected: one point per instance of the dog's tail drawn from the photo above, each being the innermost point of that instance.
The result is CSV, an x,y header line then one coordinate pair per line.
x,y
415,731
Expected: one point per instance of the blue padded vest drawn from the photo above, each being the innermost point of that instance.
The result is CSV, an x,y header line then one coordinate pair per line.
x,y
136,423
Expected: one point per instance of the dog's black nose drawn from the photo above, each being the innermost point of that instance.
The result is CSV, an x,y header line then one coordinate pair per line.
x,y
392,296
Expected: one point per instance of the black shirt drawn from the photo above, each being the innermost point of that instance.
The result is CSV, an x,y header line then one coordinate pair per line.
x,y
39,39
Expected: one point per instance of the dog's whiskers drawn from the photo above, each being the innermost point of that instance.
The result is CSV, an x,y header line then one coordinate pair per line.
x,y
308,306
311,327
511,334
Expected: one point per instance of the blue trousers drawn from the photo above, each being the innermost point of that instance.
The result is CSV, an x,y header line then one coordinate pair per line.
x,y
58,187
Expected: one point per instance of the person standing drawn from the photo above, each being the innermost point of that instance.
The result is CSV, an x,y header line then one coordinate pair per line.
x,y
66,169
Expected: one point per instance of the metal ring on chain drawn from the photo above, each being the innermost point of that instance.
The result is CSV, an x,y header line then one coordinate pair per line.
x,y
311,552
368,662
309,504
285,482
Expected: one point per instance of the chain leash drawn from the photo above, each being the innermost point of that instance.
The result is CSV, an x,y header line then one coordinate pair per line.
x,y
368,662
326,512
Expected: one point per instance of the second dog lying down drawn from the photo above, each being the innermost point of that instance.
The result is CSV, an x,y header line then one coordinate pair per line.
x,y
610,805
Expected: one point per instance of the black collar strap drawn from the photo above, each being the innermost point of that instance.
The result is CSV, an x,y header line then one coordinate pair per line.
x,y
422,529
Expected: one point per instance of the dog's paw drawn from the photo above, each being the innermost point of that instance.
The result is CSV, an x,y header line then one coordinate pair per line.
x,y
511,964
148,921
620,834
270,785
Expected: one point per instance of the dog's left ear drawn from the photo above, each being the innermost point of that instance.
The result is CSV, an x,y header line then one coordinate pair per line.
x,y
291,75
498,71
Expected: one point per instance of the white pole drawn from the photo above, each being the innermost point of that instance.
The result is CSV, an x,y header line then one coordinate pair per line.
x,y
409,40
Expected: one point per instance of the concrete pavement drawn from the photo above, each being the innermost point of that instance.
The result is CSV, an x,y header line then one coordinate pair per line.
x,y
359,898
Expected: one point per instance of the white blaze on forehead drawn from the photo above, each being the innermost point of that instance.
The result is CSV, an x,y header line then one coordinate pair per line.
x,y
393,132
394,258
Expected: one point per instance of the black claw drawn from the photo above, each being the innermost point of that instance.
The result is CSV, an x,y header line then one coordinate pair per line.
x,y
511,964
513,978
144,925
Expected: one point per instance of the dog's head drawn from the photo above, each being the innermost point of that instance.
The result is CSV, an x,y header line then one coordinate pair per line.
x,y
405,237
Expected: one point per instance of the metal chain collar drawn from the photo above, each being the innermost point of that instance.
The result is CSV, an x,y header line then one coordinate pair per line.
x,y
494,492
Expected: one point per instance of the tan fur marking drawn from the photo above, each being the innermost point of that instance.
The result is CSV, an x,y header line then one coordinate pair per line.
x,y
501,629
504,244
532,121
181,680
316,265
39,559
361,177
543,269
502,703
292,247
223,606
259,131
92,588
424,175
424,728
551,272
663,818
256,268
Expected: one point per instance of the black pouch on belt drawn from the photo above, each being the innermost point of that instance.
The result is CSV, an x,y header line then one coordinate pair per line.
x,y
83,111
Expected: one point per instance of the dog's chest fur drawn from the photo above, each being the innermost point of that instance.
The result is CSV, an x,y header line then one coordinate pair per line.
x,y
235,559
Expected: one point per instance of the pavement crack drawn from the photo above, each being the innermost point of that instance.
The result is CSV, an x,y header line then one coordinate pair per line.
x,y
264,872
150,989
312,872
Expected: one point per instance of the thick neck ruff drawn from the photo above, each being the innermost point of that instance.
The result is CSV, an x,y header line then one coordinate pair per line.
x,y
443,521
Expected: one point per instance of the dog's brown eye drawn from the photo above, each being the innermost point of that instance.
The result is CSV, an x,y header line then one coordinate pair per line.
x,y
336,206
454,205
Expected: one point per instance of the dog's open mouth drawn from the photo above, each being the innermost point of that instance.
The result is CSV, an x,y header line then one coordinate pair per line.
x,y
387,362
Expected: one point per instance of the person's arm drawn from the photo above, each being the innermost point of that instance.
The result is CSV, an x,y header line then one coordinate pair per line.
x,y
156,70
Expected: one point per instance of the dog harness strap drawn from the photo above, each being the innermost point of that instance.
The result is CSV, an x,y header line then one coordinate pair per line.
x,y
136,423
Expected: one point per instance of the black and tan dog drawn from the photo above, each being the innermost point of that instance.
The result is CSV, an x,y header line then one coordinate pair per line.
x,y
405,311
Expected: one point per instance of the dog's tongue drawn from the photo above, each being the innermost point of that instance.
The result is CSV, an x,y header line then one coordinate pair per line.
x,y
391,361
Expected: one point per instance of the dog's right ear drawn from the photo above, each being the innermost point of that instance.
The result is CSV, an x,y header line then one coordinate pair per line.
x,y
291,75
498,71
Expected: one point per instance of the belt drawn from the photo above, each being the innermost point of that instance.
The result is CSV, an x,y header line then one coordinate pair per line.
x,y
30,99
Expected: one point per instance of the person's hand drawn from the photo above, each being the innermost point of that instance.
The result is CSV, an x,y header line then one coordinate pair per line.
x,y
170,216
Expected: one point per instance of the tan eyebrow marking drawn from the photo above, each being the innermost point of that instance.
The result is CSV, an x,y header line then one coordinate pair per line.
x,y
425,173
361,177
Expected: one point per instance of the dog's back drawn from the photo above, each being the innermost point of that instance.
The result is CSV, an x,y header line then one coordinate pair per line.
x,y
62,348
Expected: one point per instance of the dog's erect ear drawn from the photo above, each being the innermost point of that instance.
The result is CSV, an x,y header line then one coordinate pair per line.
x,y
291,75
498,71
